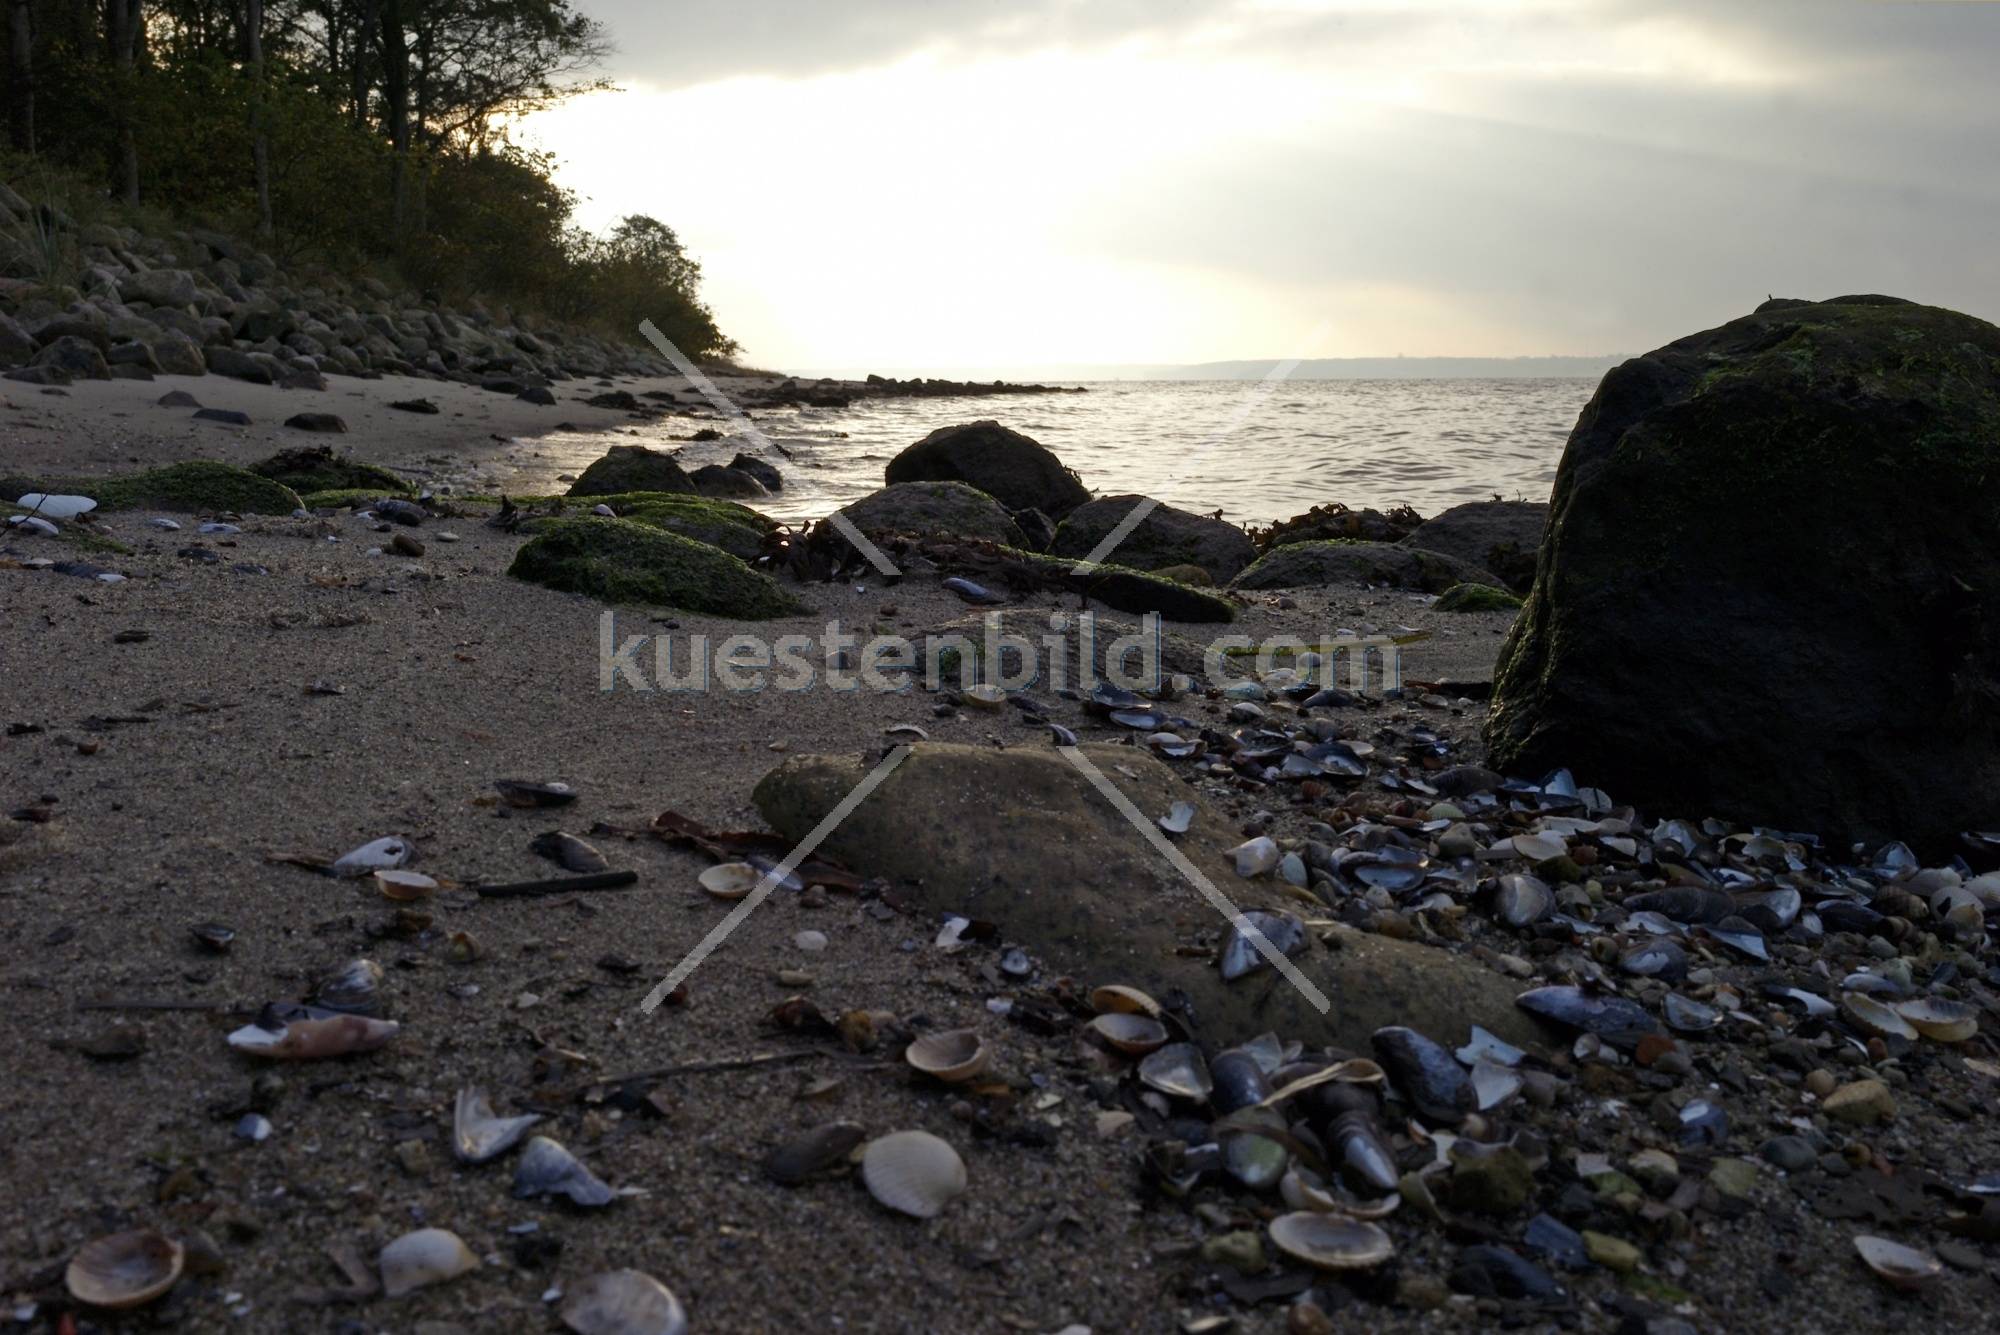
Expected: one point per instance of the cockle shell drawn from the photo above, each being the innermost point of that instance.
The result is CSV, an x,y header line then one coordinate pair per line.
x,y
950,1055
1331,1242
730,880
124,1269
623,1302
913,1172
425,1257
547,1169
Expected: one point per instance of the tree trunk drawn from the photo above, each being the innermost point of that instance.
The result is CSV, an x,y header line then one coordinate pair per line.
x,y
121,26
20,77
260,139
396,110
364,32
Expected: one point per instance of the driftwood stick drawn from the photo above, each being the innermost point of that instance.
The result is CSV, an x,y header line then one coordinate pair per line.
x,y
556,885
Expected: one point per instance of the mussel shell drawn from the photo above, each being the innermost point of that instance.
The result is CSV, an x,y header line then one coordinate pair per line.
x,y
1897,1265
1116,997
950,1055
1129,1032
1617,1021
1656,957
124,1270
1538,847
1485,1046
1845,915
381,855
1364,1155
1771,911
1179,816
807,1155
1331,1242
353,989
477,1135
1177,1070
1425,1073
1687,904
1239,1081
1493,1084
212,935
524,793
1240,953
1520,900
571,854
1688,1016
913,1172
623,1302
547,1169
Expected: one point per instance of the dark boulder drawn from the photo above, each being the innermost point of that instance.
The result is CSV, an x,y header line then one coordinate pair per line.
x,y
71,358
618,399
225,416
632,468
729,484
1770,589
424,406
1302,565
1004,464
317,468
539,395
944,509
1165,537
315,422
256,367
763,470
1501,536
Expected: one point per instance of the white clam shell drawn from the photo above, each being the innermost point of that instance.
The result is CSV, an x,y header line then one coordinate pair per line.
x,y
379,855
56,507
730,880
1331,1242
1130,1032
913,1172
425,1257
1897,1265
623,1302
950,1055
1938,1019
124,1269
477,1135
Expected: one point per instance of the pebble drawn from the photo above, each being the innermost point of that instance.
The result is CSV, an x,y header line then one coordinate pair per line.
x,y
1611,1253
1861,1103
1242,1249
810,940
1794,1154
1820,1081
1734,1178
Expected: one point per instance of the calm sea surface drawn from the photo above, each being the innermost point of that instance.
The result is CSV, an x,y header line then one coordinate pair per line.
x,y
1254,453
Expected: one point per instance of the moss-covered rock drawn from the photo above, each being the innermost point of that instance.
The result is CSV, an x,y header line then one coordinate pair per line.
x,y
348,498
1006,465
1477,598
1165,537
633,468
943,509
1772,576
1193,576
317,468
1501,536
196,487
624,561
736,529
1312,564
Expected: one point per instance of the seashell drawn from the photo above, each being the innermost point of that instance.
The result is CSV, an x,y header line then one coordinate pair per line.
x,y
1875,1017
1938,1019
213,935
983,696
522,793
312,1037
1521,900
1240,952
1657,958
1617,1021
1687,1015
1740,937
1330,1242
1493,1085
623,1302
1844,915
1116,997
913,1172
423,1258
56,507
1256,857
972,593
124,1269
1772,911
1874,984
404,886
1172,745
730,880
951,1055
1425,1073
1692,905
1364,1155
1538,847
33,524
1269,1050
812,1153
1483,1046
547,1169
568,852
353,989
1178,1070
380,855
477,1135
1130,1032
1896,1265
1238,1080
1178,818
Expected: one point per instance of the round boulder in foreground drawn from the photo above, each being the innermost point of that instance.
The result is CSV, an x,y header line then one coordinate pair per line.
x,y
1006,465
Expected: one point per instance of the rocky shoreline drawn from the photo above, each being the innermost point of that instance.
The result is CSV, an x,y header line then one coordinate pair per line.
x,y
1586,1064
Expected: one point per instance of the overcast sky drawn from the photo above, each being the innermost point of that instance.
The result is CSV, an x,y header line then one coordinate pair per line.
x,y
959,183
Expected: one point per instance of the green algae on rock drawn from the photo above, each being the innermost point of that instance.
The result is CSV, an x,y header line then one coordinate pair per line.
x,y
1311,564
317,468
627,468
943,509
736,529
624,561
1476,598
196,487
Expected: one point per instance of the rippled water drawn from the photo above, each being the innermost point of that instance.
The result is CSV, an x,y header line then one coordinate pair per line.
x,y
1201,445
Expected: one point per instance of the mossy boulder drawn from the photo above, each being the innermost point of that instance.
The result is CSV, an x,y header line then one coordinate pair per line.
x,y
633,468
1501,536
723,483
1021,838
625,561
317,468
736,529
196,487
1312,564
349,498
1477,598
1771,582
942,509
1165,537
1008,466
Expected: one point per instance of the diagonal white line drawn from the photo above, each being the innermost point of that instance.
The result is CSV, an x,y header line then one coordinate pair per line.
x,y
721,930
1249,403
740,420
1220,902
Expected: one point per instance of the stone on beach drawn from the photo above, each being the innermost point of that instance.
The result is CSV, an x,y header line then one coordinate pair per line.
x,y
314,468
1314,564
1771,558
632,468
622,561
196,487
1500,536
943,509
1165,537
1008,466
1021,837
736,529
727,483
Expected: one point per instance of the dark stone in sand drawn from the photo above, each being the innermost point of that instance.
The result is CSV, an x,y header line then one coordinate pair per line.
x,y
1021,838
177,398
327,422
1501,536
1004,464
947,509
729,484
415,405
1165,537
317,468
1771,580
1036,527
72,358
257,368
1477,598
632,468
538,395
617,398
1310,564
763,470
226,416
301,378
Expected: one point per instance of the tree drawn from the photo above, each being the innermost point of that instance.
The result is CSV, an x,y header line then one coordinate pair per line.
x,y
21,76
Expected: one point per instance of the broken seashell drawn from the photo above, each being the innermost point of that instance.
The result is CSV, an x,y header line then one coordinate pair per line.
x,y
547,1169
1179,816
1178,1070
313,1037
984,696
807,1155
404,886
213,935
1330,1242
353,989
1875,1017
623,1302
1938,1019
477,1135
381,855
730,880
568,852
522,793
1256,857
1241,953
423,1258
952,1055
1116,997
913,1172
1898,1266
1130,1032
124,1269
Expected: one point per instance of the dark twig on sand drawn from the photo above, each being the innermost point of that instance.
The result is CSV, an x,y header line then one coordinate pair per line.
x,y
556,885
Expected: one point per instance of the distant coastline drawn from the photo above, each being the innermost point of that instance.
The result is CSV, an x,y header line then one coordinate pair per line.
x,y
1317,368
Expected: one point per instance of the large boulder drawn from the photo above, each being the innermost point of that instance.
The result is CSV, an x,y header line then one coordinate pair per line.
x,y
199,486
72,358
1004,464
17,345
948,509
1501,536
1771,580
632,468
1312,564
259,368
160,287
177,354
624,561
1165,537
729,484
1022,838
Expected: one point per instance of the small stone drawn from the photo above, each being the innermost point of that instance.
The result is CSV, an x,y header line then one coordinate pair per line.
x,y
405,545
1241,1249
413,1157
1791,1153
1861,1103
795,978
1458,842
1657,1169
1733,1178
810,940
1495,1182
1820,1081
1611,1253
447,535
1422,1293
